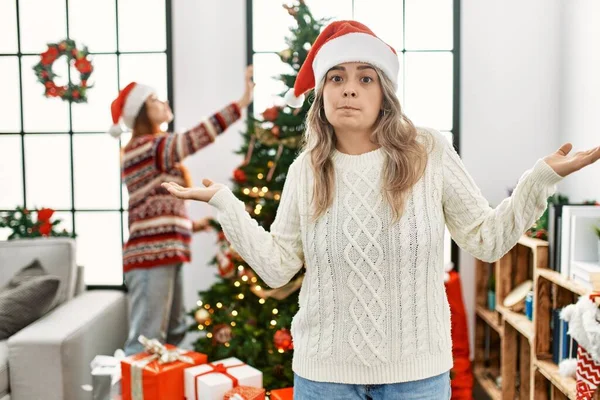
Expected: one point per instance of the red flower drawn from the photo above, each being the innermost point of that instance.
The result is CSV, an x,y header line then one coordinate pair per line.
x,y
239,176
45,228
75,94
49,85
45,214
52,92
49,55
271,114
83,66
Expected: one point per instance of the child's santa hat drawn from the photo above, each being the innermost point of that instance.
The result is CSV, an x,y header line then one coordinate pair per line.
x,y
127,106
341,42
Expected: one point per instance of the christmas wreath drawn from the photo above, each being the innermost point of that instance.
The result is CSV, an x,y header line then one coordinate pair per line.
x,y
75,56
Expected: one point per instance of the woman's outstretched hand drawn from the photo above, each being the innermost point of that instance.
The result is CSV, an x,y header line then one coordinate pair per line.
x,y
198,193
564,164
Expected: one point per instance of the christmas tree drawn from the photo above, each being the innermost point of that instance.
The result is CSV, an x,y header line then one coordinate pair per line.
x,y
241,316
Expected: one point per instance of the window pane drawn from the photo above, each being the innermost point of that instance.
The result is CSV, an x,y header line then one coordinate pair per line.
x,y
429,89
149,69
11,97
267,68
142,25
48,171
388,25
43,114
8,27
271,25
98,33
333,9
66,221
94,115
99,247
97,172
11,172
41,23
429,24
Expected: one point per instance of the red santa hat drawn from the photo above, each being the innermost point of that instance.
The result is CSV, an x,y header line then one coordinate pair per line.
x,y
341,42
127,106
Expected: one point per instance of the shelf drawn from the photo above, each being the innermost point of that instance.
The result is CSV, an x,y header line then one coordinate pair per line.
x,y
490,317
487,383
532,243
557,278
518,321
550,371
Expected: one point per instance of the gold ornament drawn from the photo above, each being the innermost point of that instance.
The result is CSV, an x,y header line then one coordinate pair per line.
x,y
202,316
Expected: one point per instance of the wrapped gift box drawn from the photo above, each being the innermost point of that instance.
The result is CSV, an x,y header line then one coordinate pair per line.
x,y
158,375
211,381
282,394
245,393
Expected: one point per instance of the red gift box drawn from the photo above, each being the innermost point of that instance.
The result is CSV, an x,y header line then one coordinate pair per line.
x,y
157,374
283,394
246,393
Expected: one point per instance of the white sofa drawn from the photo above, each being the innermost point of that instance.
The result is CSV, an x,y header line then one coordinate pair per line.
x,y
50,359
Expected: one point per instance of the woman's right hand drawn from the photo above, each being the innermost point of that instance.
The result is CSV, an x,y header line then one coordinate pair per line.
x,y
249,85
198,193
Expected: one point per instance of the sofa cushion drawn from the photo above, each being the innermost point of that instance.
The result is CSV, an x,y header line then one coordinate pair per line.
x,y
32,270
3,368
25,300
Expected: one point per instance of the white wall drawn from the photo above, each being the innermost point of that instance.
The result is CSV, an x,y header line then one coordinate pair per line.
x,y
209,44
580,90
509,98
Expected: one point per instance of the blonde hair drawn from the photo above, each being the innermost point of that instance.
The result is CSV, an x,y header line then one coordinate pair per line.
x,y
405,156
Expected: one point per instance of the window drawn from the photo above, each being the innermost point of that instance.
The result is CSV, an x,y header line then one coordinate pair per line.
x,y
423,32
57,154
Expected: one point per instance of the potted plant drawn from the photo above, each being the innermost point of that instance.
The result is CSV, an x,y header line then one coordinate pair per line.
x,y
23,224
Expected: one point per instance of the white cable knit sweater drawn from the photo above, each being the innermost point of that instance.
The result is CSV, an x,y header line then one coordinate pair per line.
x,y
373,307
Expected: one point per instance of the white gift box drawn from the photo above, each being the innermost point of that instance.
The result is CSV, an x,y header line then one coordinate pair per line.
x,y
205,382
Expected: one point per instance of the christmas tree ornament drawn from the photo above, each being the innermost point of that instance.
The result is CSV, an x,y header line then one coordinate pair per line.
x,y
202,316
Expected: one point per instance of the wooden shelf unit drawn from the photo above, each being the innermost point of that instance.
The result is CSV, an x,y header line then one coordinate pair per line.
x,y
523,347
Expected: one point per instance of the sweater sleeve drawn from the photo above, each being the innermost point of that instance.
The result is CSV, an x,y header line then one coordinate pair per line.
x,y
489,233
172,149
276,256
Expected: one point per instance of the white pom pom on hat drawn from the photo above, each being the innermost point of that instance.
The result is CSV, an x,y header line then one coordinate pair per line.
x,y
127,106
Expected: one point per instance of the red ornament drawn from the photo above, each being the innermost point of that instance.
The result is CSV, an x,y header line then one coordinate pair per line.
x,y
45,214
283,340
222,333
84,66
271,114
275,130
239,176
45,228
49,56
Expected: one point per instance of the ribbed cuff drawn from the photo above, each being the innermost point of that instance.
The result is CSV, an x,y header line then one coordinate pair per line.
x,y
222,199
543,174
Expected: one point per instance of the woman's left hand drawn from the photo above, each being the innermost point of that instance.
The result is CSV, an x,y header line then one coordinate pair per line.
x,y
564,164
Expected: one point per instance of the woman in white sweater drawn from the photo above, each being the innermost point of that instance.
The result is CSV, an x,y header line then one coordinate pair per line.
x,y
363,209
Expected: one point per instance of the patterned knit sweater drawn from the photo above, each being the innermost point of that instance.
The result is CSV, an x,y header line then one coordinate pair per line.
x,y
159,228
373,307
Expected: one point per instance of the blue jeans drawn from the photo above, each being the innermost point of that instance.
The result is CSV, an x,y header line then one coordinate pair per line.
x,y
434,388
155,299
